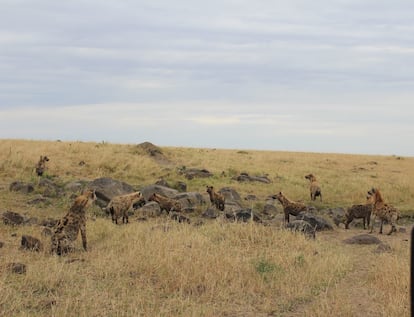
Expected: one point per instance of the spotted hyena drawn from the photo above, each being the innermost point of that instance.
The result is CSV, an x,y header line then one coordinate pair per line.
x,y
67,229
166,203
360,211
120,205
384,212
289,207
41,165
315,189
216,199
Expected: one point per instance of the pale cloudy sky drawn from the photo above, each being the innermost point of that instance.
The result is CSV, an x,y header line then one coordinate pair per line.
x,y
320,76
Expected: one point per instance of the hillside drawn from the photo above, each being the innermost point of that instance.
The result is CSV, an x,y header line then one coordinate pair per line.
x,y
154,266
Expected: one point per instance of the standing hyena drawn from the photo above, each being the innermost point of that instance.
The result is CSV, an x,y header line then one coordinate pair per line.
x,y
41,165
383,211
289,207
67,229
315,189
360,211
120,205
216,199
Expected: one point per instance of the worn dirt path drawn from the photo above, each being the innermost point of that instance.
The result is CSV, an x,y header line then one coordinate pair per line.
x,y
352,290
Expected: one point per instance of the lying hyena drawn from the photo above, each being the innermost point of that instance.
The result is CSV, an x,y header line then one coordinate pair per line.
x,y
120,205
216,199
315,189
41,165
67,229
166,203
383,211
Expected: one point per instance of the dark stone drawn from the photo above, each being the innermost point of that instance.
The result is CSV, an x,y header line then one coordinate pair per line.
x,y
383,248
244,177
191,173
147,191
270,209
107,188
210,213
179,217
31,243
303,227
17,268
21,187
315,221
363,239
46,232
150,209
49,222
12,218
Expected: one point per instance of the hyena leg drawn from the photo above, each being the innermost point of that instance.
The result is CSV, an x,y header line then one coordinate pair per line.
x,y
372,223
83,234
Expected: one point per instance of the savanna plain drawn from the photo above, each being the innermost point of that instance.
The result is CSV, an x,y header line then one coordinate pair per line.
x,y
159,267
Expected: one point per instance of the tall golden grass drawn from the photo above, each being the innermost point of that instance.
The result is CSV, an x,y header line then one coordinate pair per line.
x,y
162,268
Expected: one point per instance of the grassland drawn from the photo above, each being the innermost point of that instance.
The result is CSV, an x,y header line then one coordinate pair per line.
x,y
162,268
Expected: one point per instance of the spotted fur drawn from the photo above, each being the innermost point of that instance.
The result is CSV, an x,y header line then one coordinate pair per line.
x,y
359,211
41,165
289,207
120,205
384,212
216,199
166,203
315,189
67,229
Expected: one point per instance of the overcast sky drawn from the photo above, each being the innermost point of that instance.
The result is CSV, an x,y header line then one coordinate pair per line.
x,y
320,76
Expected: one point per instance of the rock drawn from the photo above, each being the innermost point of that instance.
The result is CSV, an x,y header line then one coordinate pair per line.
x,y
12,218
46,232
383,248
31,243
363,239
17,268
149,148
75,186
250,197
1,244
179,217
147,191
49,188
303,227
190,200
315,221
244,177
181,187
49,222
192,173
270,209
210,213
230,194
21,187
336,214
107,188
243,215
39,200
150,209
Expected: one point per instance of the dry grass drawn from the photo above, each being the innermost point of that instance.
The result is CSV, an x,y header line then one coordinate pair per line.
x,y
162,268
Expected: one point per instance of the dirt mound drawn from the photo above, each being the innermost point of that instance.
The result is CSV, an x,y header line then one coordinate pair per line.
x,y
149,148
154,152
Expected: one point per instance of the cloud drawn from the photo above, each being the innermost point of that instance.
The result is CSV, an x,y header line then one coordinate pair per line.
x,y
177,71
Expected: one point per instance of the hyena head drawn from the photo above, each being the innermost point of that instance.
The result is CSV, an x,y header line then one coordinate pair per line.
x,y
44,159
310,177
210,189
